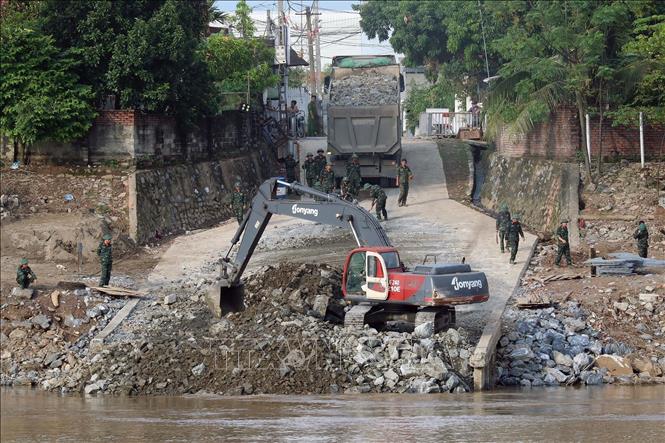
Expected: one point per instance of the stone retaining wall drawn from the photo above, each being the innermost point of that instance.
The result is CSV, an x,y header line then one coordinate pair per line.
x,y
185,197
541,191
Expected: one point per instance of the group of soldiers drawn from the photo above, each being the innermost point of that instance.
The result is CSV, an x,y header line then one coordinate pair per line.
x,y
509,229
319,175
25,276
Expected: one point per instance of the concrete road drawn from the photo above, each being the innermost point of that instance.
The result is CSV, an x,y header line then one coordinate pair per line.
x,y
431,223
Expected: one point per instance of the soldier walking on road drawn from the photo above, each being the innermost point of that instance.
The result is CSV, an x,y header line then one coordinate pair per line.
x,y
320,160
514,234
105,253
379,198
311,168
563,244
642,236
238,203
502,225
327,179
354,175
24,275
404,175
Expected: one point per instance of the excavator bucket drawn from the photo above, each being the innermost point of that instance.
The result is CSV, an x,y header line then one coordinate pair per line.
x,y
224,298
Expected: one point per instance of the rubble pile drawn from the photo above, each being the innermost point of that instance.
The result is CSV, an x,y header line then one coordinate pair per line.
x,y
367,88
625,194
8,203
65,190
626,188
558,347
288,340
49,334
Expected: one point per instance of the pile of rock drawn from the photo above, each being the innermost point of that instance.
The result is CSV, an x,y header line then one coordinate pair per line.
x,y
7,204
289,340
51,341
559,347
365,89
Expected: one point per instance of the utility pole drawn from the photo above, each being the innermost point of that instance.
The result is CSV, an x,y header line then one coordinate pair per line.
x,y
317,33
310,51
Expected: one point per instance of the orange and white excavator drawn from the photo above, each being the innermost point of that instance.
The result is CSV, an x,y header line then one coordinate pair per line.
x,y
374,278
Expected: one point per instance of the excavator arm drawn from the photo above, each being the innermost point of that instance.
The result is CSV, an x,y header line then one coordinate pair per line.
x,y
324,208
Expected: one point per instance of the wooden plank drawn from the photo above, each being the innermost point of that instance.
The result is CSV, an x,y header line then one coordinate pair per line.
x,y
120,292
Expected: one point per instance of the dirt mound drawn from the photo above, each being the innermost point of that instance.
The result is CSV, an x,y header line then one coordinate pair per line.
x,y
42,189
55,237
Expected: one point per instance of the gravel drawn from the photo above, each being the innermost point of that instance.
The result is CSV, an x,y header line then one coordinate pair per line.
x,y
368,88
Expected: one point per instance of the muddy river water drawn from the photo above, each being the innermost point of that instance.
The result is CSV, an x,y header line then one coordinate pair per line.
x,y
603,414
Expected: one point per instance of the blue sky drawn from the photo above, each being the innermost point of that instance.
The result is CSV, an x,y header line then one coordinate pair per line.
x,y
259,5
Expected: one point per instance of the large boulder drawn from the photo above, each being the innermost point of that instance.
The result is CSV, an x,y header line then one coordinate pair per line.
x,y
616,366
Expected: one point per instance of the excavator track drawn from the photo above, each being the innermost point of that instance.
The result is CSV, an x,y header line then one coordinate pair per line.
x,y
355,317
442,318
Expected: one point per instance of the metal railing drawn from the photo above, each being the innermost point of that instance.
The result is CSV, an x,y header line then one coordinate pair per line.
x,y
448,124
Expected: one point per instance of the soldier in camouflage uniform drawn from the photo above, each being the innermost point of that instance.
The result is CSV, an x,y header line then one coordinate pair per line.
x,y
563,245
404,175
379,199
291,166
238,203
105,253
345,189
321,161
327,179
642,236
502,225
354,176
311,168
514,234
24,275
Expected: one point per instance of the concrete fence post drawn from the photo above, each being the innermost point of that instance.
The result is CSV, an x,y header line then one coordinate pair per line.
x,y
641,140
132,208
588,137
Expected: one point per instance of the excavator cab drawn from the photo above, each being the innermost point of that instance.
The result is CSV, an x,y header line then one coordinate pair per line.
x,y
366,272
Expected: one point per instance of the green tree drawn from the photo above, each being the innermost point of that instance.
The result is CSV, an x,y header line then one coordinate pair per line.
x,y
643,73
40,96
241,66
439,95
556,53
92,28
157,66
243,21
444,35
298,77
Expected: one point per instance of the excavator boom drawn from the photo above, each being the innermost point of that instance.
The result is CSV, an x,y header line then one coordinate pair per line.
x,y
324,208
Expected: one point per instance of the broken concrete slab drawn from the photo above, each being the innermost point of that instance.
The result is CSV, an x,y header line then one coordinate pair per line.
x,y
25,294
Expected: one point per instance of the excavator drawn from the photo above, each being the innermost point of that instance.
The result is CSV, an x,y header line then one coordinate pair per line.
x,y
374,280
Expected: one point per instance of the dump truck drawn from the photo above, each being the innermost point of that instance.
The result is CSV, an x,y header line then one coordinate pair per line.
x,y
364,115
374,280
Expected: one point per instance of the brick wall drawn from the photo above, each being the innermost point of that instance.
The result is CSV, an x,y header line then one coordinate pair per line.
x,y
124,117
624,141
559,138
133,137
